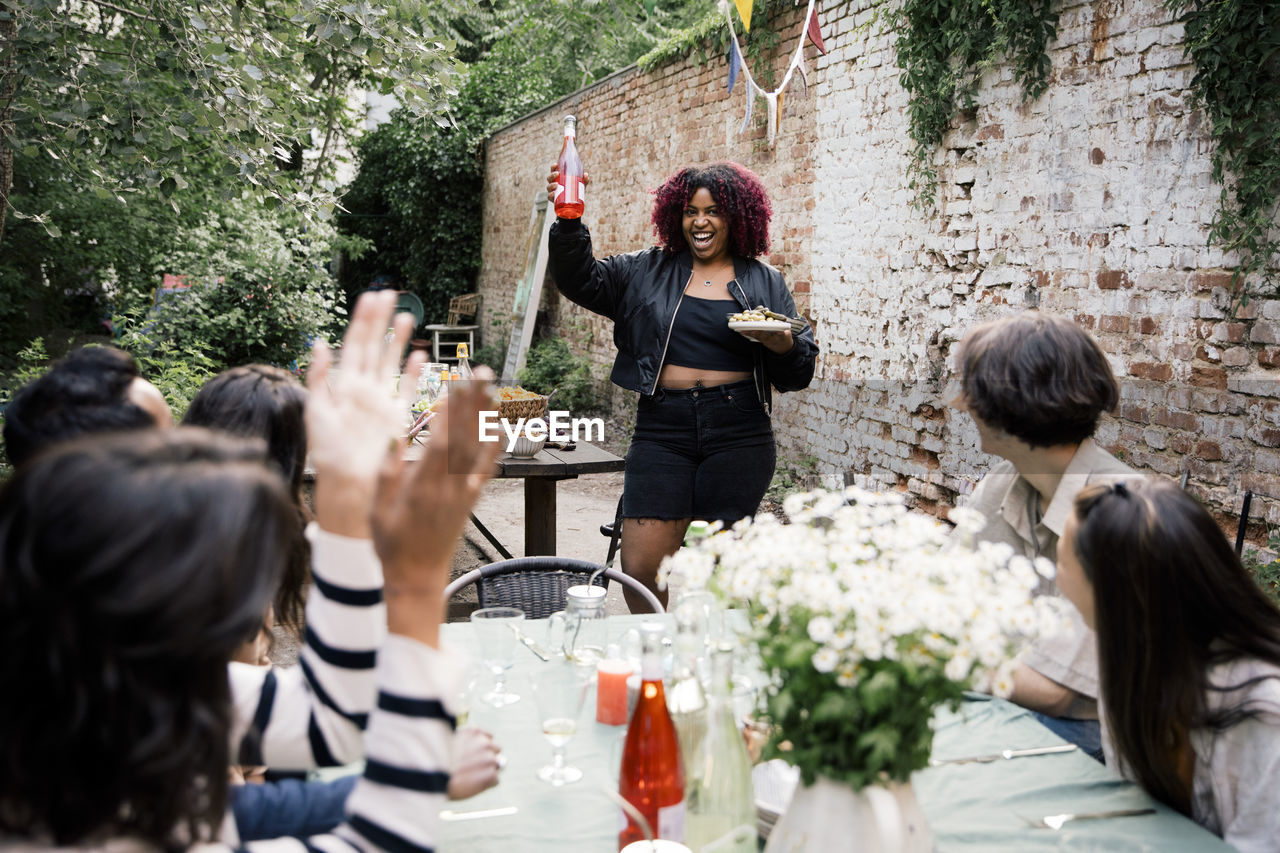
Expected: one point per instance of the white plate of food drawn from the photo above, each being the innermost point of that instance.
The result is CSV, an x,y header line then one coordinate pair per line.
x,y
759,325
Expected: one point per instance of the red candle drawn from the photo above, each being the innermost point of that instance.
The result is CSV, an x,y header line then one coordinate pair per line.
x,y
611,691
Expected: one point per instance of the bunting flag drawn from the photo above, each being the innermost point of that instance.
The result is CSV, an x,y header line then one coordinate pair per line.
x,y
751,100
815,34
738,64
735,64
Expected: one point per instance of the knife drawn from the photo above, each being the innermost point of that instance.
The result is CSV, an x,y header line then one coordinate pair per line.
x,y
450,814
531,645
1006,754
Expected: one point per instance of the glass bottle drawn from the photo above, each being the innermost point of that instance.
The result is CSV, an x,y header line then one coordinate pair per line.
x,y
687,700
651,777
464,362
720,809
569,186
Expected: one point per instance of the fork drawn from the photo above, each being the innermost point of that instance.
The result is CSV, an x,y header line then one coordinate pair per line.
x,y
1055,821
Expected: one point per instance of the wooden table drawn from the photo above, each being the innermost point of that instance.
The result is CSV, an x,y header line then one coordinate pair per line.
x,y
540,475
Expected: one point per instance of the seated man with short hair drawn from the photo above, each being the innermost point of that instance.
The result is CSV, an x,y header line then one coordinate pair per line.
x,y
92,390
1036,385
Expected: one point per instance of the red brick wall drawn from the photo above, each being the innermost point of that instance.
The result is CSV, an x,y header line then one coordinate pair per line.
x,y
1092,202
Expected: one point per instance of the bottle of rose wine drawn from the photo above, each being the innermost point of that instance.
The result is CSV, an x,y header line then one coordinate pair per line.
x,y
651,777
569,186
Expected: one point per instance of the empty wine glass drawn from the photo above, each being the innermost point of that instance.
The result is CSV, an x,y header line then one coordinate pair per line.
x,y
559,691
496,637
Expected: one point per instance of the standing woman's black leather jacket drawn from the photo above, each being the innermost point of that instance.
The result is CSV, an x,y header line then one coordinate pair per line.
x,y
641,292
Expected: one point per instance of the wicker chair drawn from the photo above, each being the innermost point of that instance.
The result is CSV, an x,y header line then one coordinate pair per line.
x,y
537,585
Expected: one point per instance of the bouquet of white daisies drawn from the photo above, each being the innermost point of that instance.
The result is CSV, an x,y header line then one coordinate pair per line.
x,y
867,617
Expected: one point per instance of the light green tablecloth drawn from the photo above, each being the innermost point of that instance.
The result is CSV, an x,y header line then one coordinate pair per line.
x,y
975,808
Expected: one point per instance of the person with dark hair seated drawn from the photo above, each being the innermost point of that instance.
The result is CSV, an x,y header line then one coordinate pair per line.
x,y
260,401
1035,386
93,389
1189,656
126,618
703,445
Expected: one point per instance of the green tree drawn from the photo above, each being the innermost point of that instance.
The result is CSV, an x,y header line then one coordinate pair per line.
x,y
417,195
122,95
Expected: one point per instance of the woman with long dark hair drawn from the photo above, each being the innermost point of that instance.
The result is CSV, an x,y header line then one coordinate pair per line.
x,y
703,445
1188,652
260,401
131,567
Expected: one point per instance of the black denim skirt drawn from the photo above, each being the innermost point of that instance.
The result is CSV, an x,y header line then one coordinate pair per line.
x,y
705,453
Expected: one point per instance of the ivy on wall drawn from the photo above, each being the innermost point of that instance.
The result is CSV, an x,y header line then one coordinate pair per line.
x,y
944,47
1235,45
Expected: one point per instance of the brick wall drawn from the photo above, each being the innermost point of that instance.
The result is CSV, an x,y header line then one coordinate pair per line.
x,y
1091,202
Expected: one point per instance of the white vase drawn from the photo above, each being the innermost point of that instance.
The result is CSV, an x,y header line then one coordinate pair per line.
x,y
830,815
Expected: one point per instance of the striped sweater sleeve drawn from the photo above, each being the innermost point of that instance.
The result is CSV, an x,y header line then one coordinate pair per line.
x,y
395,805
315,713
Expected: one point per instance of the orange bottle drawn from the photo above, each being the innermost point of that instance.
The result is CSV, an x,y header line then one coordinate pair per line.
x,y
652,776
569,186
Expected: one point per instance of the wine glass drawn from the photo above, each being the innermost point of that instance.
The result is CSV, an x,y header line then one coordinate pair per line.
x,y
559,691
495,629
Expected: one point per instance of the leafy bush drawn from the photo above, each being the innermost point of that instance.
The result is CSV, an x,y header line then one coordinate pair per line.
x,y
1266,574
259,288
550,366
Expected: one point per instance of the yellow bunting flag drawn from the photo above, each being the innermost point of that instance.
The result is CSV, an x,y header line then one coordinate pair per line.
x,y
744,11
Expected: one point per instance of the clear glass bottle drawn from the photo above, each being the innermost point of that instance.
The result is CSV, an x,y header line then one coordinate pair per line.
x,y
720,814
687,700
651,777
464,362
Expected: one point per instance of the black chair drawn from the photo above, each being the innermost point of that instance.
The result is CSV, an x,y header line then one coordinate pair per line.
x,y
1244,522
613,530
537,585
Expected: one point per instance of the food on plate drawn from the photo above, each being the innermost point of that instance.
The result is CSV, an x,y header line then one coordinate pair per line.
x,y
754,315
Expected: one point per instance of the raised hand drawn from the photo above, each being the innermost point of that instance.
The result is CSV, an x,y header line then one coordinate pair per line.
x,y
419,509
353,419
554,176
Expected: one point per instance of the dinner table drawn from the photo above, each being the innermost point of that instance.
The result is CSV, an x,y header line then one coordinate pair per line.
x,y
978,807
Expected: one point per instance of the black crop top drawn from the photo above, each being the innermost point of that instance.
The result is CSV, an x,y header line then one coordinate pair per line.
x,y
700,336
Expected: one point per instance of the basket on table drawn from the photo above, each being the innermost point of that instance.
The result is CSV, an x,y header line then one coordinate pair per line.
x,y
531,406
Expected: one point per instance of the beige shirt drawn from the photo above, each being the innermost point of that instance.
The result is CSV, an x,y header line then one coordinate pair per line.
x,y
1237,771
1011,505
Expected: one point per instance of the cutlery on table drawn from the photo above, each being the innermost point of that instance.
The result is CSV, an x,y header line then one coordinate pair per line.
x,y
1005,754
1055,821
530,644
450,814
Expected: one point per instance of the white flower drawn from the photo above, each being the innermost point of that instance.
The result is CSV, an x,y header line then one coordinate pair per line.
x,y
825,660
1045,568
821,629
967,520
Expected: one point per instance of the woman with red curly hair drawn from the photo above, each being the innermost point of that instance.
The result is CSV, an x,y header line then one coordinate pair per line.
x,y
703,445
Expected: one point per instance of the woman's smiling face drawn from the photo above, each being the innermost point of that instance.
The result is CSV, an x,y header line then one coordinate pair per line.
x,y
705,228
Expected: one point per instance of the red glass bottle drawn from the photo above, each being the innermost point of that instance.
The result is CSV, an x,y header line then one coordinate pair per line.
x,y
652,776
569,186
